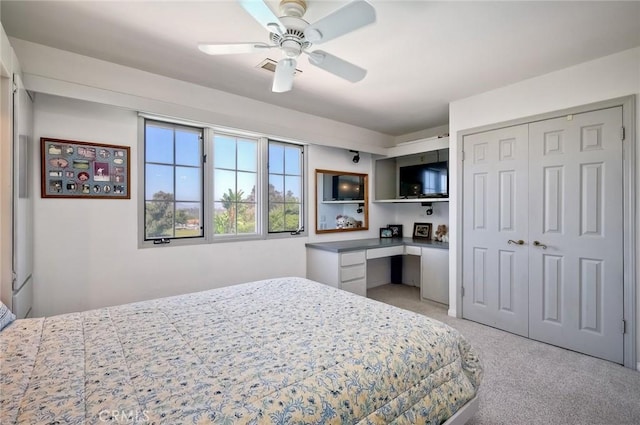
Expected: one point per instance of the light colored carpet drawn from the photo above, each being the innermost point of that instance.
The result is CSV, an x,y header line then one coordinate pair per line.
x,y
528,382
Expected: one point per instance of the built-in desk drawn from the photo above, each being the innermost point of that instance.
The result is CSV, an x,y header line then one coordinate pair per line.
x,y
343,264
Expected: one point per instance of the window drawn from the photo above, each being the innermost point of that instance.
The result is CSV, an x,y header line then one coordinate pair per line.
x,y
235,177
251,187
285,187
173,186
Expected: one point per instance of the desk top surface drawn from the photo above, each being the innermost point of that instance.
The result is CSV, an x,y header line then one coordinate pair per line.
x,y
359,244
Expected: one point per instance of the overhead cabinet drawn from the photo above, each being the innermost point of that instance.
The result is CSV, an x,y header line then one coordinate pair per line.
x,y
419,177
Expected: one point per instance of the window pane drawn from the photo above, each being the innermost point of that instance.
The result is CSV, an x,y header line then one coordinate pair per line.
x,y
285,186
158,144
188,184
158,219
291,217
247,155
247,186
292,187
158,180
246,221
188,219
276,158
165,215
224,152
276,217
276,188
188,148
225,184
224,218
292,160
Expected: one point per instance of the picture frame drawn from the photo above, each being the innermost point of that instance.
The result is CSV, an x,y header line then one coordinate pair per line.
x,y
396,229
73,169
422,230
386,233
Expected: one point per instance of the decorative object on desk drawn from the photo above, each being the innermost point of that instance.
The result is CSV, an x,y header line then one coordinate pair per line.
x,y
396,229
73,169
442,233
385,232
422,230
346,222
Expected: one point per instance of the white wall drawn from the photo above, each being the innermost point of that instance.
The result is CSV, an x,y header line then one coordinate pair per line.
x,y
602,79
53,71
87,252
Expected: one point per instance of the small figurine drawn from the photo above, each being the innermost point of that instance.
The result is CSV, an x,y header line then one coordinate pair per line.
x,y
441,233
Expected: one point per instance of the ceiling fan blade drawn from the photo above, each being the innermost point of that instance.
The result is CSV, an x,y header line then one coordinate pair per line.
x,y
283,80
232,48
337,66
261,13
354,15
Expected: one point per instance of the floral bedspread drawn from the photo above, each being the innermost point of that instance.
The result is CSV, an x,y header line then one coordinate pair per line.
x,y
278,351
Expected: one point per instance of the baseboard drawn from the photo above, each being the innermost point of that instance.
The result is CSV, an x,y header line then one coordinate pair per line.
x,y
452,312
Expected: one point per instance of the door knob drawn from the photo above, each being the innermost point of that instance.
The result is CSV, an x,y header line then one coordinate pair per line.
x,y
540,244
518,242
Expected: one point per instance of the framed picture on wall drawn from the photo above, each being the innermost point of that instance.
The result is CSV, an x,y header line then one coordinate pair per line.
x,y
396,230
72,169
422,230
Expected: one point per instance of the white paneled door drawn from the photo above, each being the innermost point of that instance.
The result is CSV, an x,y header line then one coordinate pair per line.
x,y
542,231
575,233
495,219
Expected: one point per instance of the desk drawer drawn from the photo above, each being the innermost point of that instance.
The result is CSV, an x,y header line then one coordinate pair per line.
x,y
352,272
351,258
385,252
356,286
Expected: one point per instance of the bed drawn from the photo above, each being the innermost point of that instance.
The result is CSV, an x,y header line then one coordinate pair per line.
x,y
279,351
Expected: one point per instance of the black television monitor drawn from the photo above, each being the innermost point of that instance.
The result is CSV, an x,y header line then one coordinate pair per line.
x,y
348,188
425,180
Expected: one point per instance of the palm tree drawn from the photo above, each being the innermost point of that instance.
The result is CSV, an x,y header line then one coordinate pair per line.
x,y
230,202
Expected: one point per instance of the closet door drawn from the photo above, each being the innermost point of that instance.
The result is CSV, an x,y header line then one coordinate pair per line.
x,y
495,219
575,233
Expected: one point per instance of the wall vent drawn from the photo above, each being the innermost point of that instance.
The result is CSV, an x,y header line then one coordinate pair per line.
x,y
270,65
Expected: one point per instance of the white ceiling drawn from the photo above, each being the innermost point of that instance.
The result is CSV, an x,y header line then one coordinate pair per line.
x,y
420,55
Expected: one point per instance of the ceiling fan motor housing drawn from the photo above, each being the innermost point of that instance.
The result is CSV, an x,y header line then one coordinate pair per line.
x,y
292,41
295,8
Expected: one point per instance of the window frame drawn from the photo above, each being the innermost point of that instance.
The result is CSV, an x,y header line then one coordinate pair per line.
x,y
259,192
262,191
142,238
303,202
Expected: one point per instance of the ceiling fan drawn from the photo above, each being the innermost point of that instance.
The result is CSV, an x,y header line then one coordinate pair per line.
x,y
294,36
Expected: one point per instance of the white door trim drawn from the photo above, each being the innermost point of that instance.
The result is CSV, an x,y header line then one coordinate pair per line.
x,y
629,207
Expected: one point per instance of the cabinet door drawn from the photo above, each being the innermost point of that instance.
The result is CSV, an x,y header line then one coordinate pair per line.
x,y
434,265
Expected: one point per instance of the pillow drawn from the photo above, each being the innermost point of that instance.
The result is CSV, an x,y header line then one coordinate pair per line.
x,y
6,316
